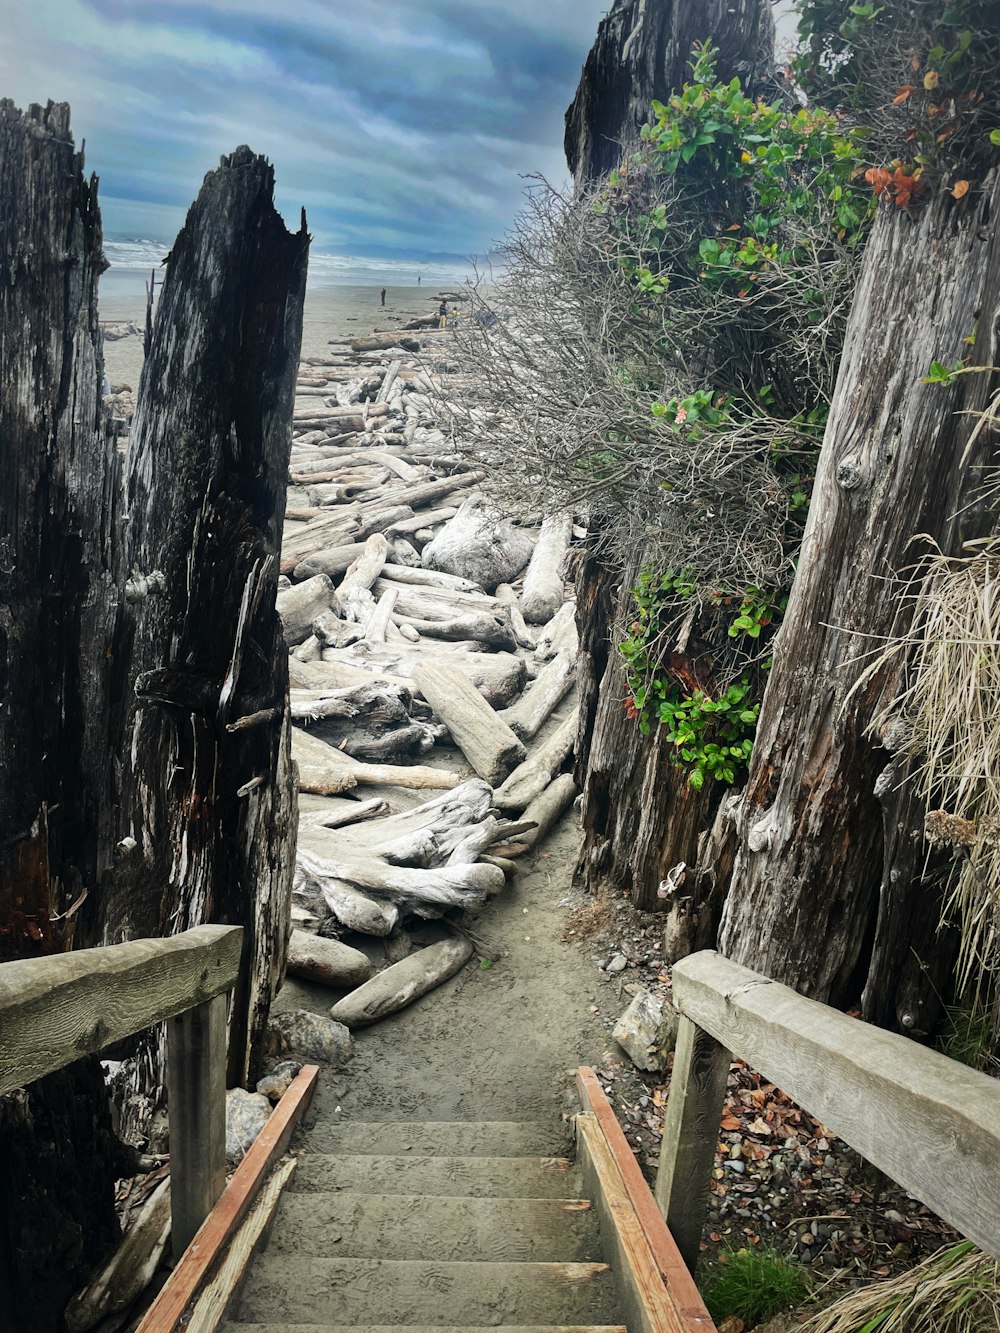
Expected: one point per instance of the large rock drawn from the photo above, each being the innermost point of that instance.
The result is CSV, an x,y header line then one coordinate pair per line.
x,y
402,983
326,961
246,1116
479,544
278,1079
647,1031
311,1036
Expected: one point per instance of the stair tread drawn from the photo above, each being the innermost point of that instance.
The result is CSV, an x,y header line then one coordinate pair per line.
x,y
345,1224
231,1327
519,1177
301,1289
454,1138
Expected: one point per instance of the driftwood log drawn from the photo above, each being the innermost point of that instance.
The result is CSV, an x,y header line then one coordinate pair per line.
x,y
327,961
543,580
532,777
489,745
402,983
530,713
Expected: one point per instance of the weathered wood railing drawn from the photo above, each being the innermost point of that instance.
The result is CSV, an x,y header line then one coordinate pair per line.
x,y
929,1123
55,1010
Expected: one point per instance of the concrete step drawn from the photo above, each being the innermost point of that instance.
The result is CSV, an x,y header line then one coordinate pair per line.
x,y
456,1138
474,1177
364,1292
394,1226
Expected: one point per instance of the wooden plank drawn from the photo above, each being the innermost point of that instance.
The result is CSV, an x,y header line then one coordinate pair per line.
x,y
930,1123
681,1288
196,1083
691,1128
54,1010
210,1306
190,1274
646,1301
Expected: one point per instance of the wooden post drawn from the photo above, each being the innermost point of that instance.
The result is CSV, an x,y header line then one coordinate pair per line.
x,y
196,1086
690,1135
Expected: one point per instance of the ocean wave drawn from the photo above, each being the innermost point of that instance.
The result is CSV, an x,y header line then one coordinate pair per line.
x,y
324,270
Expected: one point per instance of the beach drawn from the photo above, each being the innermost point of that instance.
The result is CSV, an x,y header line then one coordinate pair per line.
x,y
332,311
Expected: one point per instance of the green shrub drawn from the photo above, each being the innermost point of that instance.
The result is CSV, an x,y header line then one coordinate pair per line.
x,y
755,1285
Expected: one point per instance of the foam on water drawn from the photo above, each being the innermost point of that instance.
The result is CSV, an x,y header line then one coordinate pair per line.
x,y
142,255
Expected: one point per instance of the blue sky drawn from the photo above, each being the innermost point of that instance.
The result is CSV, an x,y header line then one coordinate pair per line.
x,y
402,126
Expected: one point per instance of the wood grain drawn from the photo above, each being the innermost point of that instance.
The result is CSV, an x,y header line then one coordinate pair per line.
x,y
647,1303
190,1274
54,1010
196,1079
930,1123
680,1285
690,1135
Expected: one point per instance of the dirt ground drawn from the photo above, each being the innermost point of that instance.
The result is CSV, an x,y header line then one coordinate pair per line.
x,y
501,1040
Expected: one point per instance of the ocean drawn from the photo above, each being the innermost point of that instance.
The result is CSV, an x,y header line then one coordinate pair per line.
x,y
342,298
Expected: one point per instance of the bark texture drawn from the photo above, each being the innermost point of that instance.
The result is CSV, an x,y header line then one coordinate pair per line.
x,y
208,794
816,881
641,53
59,598
640,816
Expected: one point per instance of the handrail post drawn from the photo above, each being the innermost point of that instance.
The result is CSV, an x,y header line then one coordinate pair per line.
x,y
196,1093
690,1135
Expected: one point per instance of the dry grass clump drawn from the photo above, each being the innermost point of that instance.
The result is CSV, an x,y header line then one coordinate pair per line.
x,y
591,919
956,1290
952,701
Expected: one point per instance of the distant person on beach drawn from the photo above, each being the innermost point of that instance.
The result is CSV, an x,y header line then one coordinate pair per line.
x,y
383,296
418,279
442,314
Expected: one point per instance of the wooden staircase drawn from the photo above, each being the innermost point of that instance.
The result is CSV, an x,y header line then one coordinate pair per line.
x,y
445,1225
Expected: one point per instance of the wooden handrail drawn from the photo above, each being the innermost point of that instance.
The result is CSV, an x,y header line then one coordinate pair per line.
x,y
930,1123
54,1010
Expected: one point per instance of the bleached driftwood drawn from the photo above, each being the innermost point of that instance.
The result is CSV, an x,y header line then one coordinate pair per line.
x,y
499,677
493,629
383,701
559,633
402,983
433,578
363,572
430,603
129,1270
299,606
329,560
479,544
326,770
379,623
489,745
329,812
422,858
545,809
532,777
506,595
327,961
543,593
529,714
356,910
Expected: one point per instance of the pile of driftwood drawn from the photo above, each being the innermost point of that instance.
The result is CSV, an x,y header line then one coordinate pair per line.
x,y
432,667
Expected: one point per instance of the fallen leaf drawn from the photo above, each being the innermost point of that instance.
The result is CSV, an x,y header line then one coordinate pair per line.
x,y
903,94
730,1122
732,1324
931,79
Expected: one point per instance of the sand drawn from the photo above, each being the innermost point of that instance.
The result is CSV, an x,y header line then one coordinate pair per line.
x,y
330,312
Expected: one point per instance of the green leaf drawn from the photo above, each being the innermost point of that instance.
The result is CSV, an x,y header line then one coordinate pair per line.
x,y
485,962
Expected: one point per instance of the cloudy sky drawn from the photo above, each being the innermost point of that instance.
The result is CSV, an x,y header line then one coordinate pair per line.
x,y
402,126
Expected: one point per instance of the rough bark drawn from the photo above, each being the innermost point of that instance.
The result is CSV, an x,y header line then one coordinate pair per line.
x,y
60,592
208,796
641,53
640,816
811,886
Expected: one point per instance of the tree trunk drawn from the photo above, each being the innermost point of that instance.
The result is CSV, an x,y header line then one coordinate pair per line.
x,y
641,53
209,797
61,586
640,815
815,880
